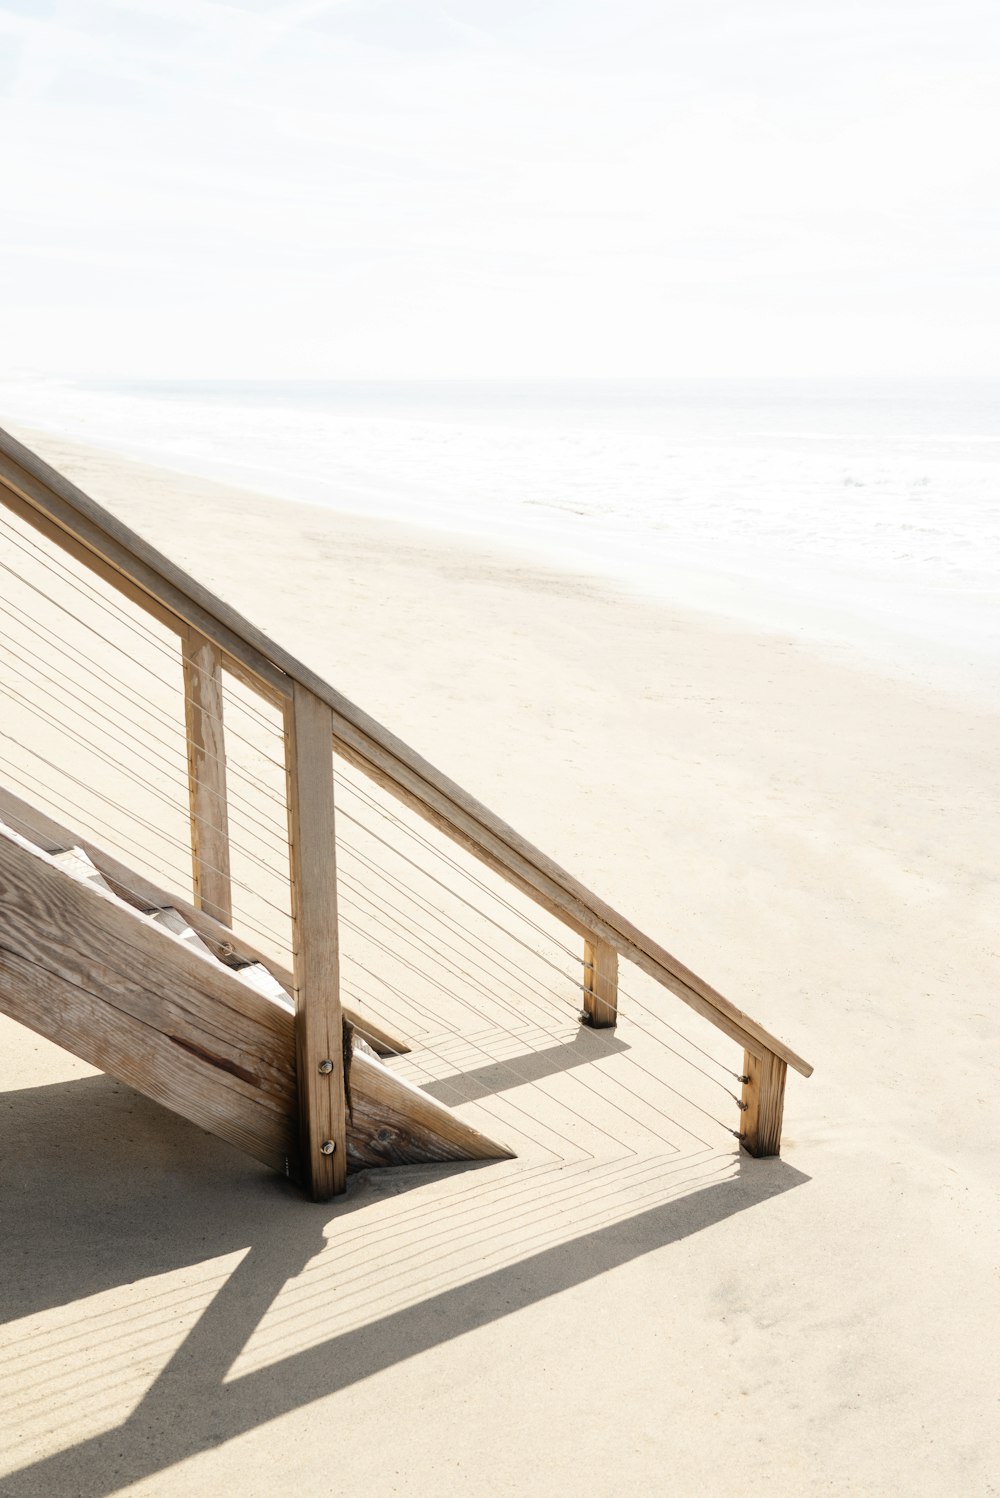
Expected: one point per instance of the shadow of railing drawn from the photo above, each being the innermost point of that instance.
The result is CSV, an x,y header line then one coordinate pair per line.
x,y
585,1047
140,1193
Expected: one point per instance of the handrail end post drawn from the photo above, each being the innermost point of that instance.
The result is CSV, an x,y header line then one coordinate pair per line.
x,y
600,984
763,1103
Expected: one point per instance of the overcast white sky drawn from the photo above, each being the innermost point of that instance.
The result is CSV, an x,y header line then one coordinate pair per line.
x,y
499,187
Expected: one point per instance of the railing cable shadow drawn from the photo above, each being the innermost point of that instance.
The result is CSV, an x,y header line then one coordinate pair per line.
x,y
192,1407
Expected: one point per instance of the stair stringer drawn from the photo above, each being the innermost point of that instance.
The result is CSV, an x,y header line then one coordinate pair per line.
x,y
106,983
123,993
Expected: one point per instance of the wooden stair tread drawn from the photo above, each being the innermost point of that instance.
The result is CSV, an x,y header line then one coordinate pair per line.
x,y
80,866
254,974
171,920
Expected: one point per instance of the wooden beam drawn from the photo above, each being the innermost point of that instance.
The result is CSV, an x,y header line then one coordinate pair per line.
x,y
107,984
764,1104
393,1122
49,835
206,753
318,1021
600,984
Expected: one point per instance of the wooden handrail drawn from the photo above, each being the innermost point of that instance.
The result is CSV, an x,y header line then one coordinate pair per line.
x,y
54,505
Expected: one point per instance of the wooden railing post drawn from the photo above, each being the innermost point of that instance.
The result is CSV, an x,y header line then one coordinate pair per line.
x,y
764,1103
316,967
206,753
600,984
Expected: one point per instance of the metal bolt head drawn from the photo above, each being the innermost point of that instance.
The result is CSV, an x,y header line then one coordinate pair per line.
x,y
327,1147
326,1067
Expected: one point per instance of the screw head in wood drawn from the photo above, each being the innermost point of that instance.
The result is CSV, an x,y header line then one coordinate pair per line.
x,y
327,1147
326,1067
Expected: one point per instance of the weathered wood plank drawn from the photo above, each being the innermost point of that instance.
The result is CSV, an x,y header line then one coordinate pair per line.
x,y
206,755
764,1100
50,835
104,982
318,1020
394,1123
600,984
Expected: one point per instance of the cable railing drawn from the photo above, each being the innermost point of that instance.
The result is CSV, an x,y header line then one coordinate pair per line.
x,y
142,712
501,972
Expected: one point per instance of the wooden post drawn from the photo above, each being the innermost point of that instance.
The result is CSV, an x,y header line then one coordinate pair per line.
x,y
600,984
206,752
764,1099
319,1026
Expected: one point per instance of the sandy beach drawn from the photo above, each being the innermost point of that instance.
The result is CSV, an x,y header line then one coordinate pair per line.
x,y
815,838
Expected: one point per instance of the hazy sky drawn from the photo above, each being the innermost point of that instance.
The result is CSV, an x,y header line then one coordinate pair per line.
x,y
499,187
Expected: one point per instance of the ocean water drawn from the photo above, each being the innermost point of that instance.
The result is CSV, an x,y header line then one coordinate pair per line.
x,y
862,513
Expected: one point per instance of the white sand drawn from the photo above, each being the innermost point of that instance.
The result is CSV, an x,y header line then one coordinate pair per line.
x,y
818,841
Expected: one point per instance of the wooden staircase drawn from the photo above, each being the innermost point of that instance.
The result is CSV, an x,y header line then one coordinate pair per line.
x,y
170,994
